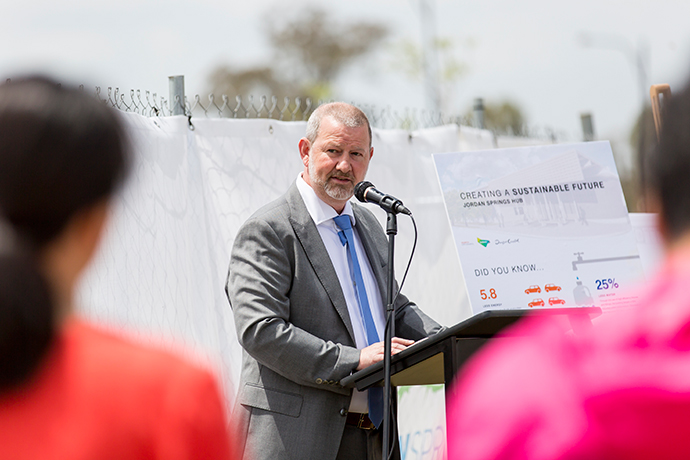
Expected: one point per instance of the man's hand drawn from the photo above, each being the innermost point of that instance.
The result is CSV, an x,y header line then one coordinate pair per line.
x,y
374,353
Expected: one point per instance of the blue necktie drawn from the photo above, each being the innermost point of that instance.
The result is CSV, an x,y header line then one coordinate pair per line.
x,y
348,239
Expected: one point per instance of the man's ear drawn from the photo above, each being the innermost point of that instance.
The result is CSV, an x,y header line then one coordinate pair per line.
x,y
304,148
371,153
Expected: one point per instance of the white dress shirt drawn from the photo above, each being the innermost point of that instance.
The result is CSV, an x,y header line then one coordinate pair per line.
x,y
322,214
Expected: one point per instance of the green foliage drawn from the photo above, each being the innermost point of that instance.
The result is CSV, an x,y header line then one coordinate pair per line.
x,y
261,80
318,46
310,50
452,69
643,141
407,58
504,117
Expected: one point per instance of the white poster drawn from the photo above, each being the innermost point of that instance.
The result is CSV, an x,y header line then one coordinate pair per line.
x,y
540,227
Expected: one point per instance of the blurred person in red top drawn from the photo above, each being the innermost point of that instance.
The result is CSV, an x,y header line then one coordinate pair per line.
x,y
69,390
621,390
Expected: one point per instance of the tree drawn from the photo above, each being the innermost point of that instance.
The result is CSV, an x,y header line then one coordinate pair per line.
x,y
503,117
643,141
315,47
409,60
310,51
260,80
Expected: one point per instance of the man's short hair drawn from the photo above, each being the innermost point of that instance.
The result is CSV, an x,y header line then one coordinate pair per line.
x,y
342,112
668,166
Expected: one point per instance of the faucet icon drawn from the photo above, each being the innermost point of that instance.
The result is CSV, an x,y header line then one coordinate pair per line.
x,y
580,260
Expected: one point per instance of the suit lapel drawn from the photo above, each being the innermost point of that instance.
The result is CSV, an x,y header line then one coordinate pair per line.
x,y
313,246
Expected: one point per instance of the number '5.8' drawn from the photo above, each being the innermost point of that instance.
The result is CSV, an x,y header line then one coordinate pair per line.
x,y
491,294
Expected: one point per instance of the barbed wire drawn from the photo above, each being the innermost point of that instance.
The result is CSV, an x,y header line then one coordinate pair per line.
x,y
287,109
296,109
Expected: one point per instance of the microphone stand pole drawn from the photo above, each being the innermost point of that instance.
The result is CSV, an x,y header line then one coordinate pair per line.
x,y
391,231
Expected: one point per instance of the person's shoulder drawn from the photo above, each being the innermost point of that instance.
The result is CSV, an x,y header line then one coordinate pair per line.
x,y
275,211
104,352
270,210
169,399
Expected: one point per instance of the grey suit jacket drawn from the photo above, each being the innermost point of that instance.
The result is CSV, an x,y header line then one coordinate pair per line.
x,y
293,324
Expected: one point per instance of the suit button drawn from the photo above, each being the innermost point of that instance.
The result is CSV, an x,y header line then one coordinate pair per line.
x,y
319,381
343,412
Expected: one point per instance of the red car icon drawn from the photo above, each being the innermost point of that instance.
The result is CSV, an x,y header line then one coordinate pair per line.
x,y
556,301
533,288
536,303
551,287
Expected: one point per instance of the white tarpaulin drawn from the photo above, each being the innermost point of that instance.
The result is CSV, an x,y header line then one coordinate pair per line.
x,y
162,267
161,271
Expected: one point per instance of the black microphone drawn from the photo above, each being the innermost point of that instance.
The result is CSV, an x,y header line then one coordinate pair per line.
x,y
367,193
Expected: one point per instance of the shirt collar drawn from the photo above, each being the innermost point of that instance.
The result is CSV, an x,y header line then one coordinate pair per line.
x,y
320,212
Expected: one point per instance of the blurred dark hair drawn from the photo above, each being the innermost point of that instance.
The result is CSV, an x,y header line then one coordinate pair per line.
x,y
61,151
668,166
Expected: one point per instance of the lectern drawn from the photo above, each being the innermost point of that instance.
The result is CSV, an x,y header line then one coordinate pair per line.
x,y
438,358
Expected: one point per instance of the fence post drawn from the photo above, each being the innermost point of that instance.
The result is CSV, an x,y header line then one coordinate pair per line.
x,y
587,126
176,87
479,113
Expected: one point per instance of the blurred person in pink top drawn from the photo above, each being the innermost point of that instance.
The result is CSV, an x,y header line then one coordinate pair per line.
x,y
621,390
69,389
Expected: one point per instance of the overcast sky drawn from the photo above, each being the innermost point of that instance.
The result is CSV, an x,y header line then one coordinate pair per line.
x,y
526,51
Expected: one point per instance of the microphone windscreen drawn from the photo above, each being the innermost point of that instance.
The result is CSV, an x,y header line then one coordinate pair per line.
x,y
360,190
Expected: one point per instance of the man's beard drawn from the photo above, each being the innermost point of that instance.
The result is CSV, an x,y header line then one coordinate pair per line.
x,y
336,191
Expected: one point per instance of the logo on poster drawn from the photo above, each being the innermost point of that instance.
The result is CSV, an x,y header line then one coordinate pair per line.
x,y
508,241
482,242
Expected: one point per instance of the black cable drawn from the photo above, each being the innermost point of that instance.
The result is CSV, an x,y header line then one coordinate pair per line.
x,y
394,435
409,262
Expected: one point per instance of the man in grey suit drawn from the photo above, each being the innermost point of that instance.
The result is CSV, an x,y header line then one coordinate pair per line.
x,y
308,302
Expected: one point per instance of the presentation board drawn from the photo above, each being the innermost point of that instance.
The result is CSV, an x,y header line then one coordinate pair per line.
x,y
540,227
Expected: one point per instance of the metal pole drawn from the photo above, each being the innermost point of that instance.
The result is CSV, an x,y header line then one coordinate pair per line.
x,y
479,113
429,55
638,58
391,231
641,60
587,126
176,87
